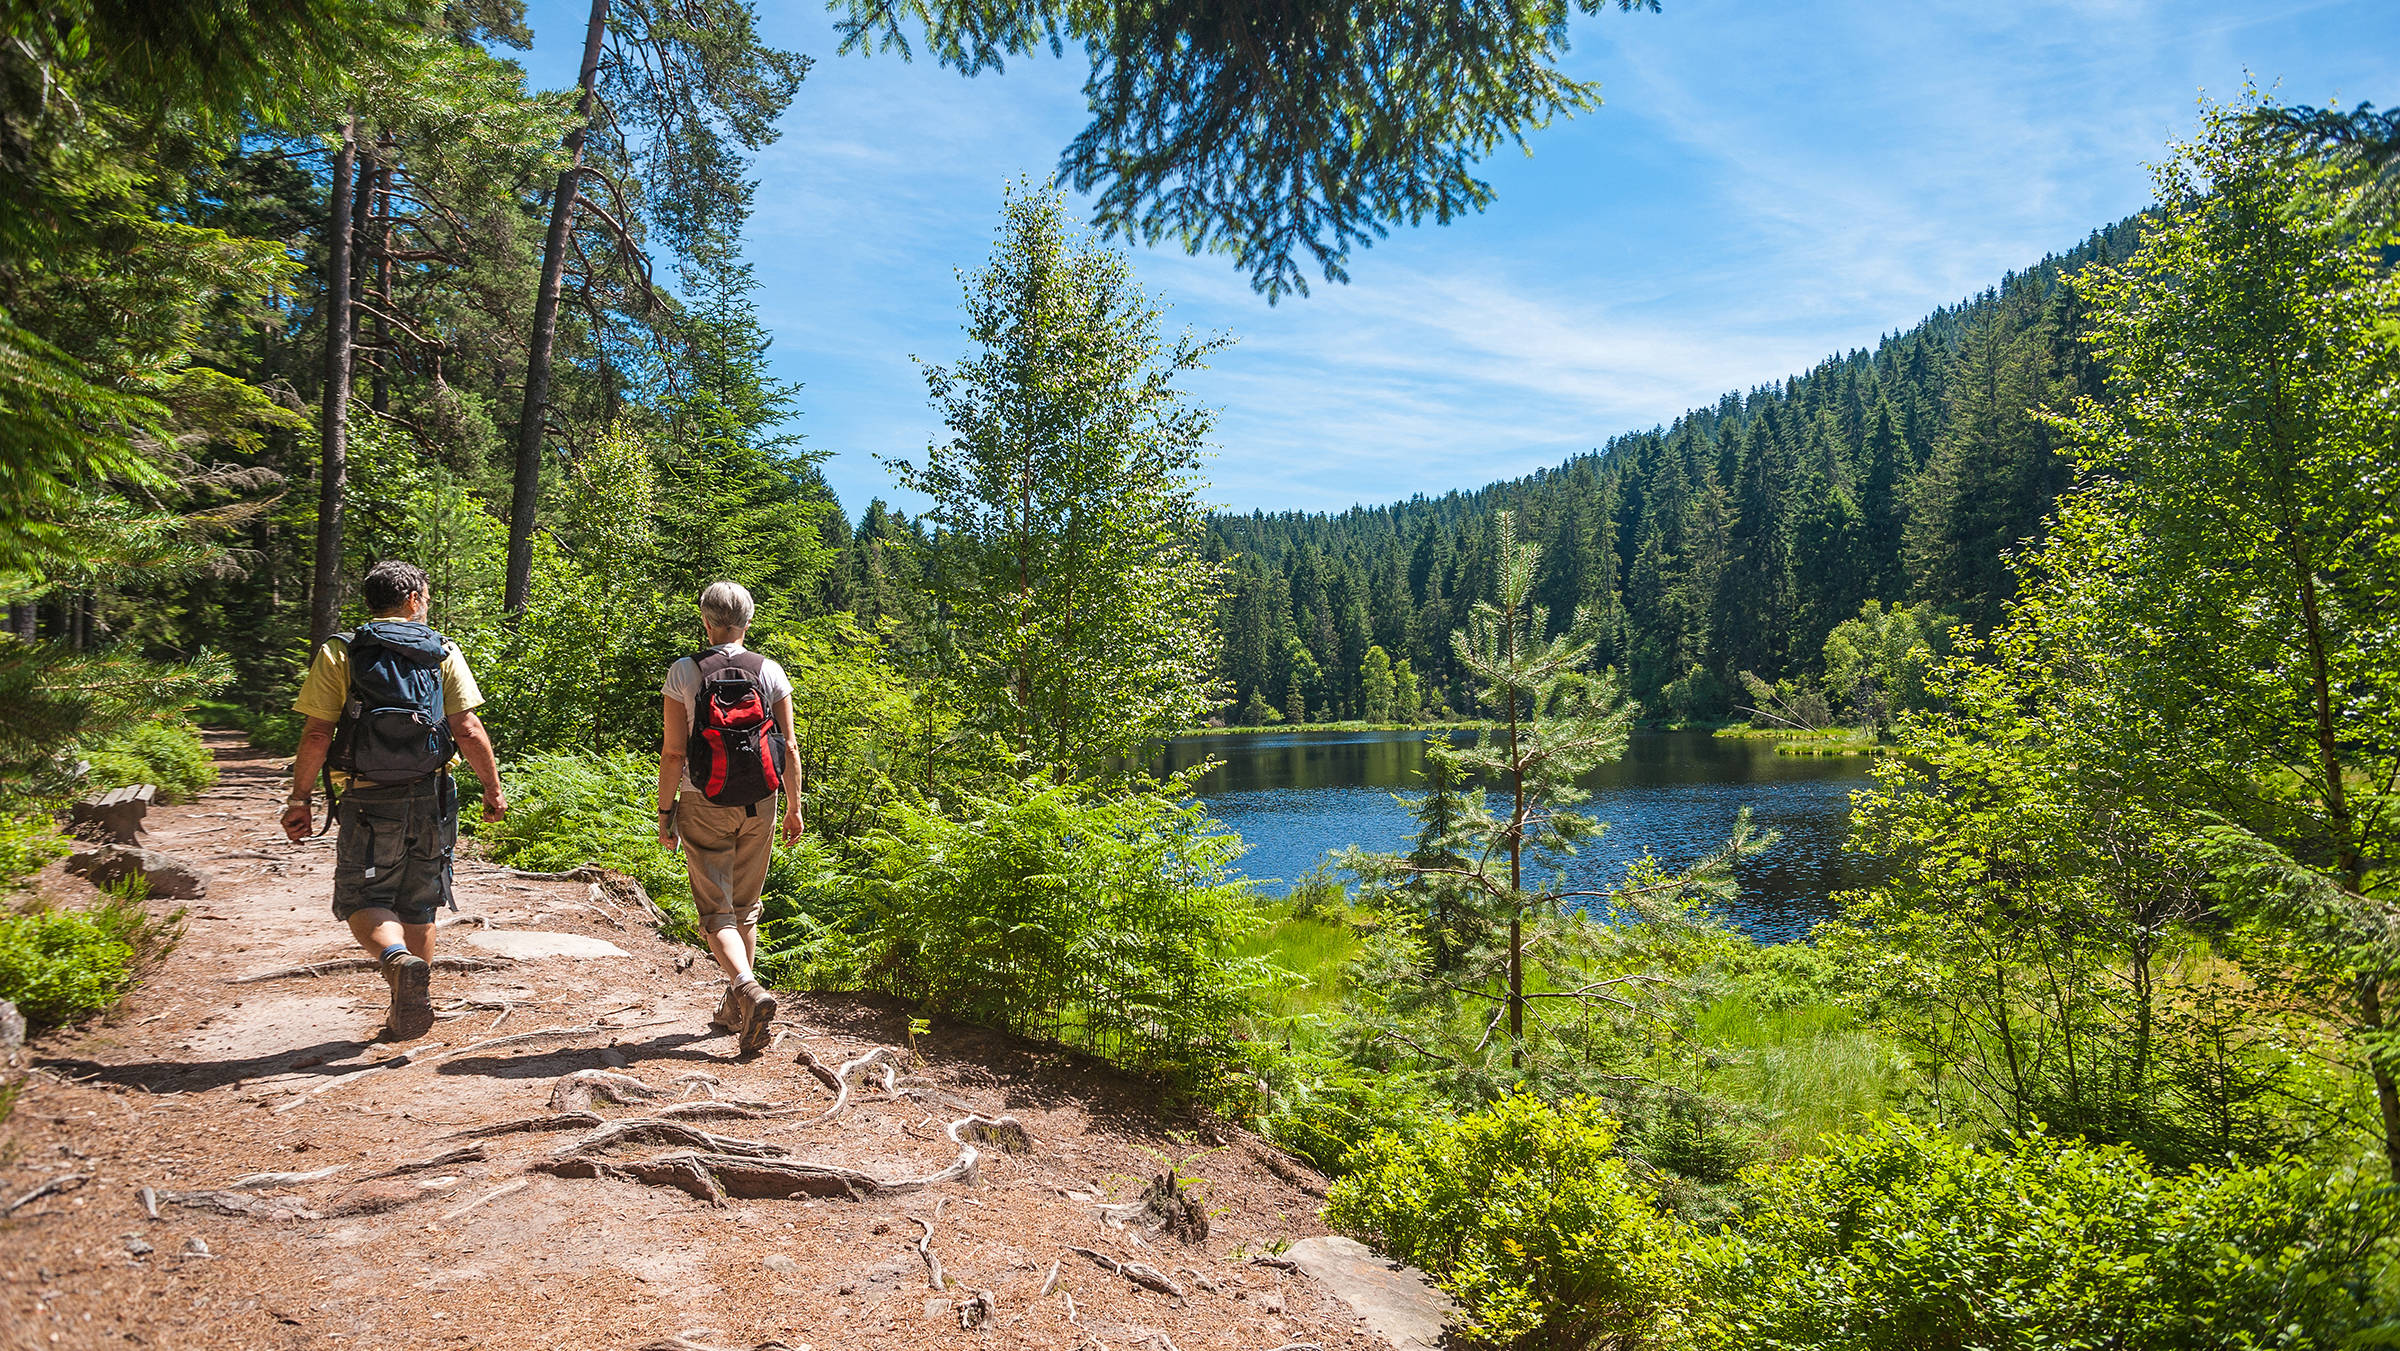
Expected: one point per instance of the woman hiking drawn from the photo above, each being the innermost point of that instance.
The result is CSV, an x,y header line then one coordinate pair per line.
x,y
728,750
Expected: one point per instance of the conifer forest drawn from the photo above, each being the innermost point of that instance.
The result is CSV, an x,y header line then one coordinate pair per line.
x,y
2096,570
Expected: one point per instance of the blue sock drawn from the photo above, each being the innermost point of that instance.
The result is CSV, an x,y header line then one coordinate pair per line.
x,y
392,949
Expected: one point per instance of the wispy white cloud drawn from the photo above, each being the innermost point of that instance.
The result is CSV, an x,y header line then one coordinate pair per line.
x,y
1766,185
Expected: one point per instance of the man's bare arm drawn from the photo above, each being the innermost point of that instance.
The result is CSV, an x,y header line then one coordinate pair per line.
x,y
315,740
476,744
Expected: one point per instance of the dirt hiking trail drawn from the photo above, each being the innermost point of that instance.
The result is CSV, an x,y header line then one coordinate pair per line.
x,y
572,1158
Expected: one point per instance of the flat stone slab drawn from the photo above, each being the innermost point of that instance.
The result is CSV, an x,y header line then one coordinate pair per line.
x,y
533,944
1400,1304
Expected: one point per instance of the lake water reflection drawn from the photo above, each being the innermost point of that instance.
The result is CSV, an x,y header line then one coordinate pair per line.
x,y
1294,796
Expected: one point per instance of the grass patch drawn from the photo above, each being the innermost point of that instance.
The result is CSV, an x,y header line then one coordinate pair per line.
x,y
1316,948
1811,1068
58,966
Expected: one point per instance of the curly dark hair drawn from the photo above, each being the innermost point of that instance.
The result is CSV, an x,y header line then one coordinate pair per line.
x,y
391,582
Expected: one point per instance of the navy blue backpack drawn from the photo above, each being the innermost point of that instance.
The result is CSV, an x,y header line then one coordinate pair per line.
x,y
392,729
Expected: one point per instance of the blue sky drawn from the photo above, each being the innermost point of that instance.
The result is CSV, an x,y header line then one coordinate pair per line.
x,y
1766,184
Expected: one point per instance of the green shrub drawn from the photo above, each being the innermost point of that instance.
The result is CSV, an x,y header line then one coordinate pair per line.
x,y
568,809
1525,1212
28,839
61,965
1102,920
164,751
1901,1238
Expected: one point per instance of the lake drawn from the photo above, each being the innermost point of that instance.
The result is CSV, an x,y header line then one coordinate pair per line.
x,y
1294,796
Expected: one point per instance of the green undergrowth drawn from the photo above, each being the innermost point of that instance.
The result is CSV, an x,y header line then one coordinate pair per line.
x,y
29,838
165,751
58,965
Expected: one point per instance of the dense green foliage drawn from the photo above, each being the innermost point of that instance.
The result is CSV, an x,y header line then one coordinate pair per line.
x,y
168,753
1526,1212
1104,921
1902,1238
60,965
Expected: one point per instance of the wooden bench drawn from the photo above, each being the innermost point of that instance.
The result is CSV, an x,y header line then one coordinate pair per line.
x,y
116,815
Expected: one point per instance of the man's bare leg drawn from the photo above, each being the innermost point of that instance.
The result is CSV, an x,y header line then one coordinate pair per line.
x,y
376,929
408,973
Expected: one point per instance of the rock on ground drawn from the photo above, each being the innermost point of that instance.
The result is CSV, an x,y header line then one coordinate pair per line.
x,y
1398,1302
170,878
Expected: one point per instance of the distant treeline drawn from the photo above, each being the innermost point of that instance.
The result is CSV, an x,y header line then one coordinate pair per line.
x,y
1734,540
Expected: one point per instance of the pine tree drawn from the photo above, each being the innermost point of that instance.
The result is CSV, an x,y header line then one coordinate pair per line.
x,y
1067,498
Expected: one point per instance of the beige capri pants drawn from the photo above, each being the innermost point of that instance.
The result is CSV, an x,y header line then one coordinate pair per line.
x,y
725,849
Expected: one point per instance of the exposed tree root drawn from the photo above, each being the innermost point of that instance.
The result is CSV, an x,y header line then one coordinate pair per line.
x,y
1050,1282
493,1195
53,1187
283,1179
449,1158
713,1111
807,1060
933,1264
271,1207
879,1058
653,1131
576,1091
977,1310
1141,1274
715,1175
400,1061
342,964
561,1121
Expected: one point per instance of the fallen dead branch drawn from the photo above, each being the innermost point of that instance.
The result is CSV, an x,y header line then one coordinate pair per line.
x,y
1050,1282
56,1186
1279,1263
1142,1274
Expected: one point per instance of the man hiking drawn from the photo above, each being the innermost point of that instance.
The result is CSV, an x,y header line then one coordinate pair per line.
x,y
728,749
388,704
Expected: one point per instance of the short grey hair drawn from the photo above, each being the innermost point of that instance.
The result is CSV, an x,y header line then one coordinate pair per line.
x,y
727,605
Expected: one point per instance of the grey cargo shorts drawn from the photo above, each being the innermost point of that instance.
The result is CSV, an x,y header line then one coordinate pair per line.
x,y
394,849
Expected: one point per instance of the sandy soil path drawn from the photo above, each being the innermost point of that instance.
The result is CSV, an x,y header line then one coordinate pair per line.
x,y
200,1081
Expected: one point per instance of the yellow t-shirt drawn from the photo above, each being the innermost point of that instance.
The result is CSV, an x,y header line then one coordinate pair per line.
x,y
327,687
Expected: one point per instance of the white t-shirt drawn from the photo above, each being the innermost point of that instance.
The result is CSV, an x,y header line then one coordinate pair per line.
x,y
683,686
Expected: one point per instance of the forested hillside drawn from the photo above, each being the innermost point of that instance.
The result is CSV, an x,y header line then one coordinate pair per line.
x,y
1733,540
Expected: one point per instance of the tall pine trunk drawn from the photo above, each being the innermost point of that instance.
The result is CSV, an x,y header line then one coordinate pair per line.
x,y
325,595
525,501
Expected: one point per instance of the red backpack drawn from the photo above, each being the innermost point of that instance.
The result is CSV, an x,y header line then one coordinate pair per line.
x,y
735,749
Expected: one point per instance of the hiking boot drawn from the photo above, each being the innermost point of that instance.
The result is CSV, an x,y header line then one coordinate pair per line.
x,y
728,1016
755,1007
411,980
